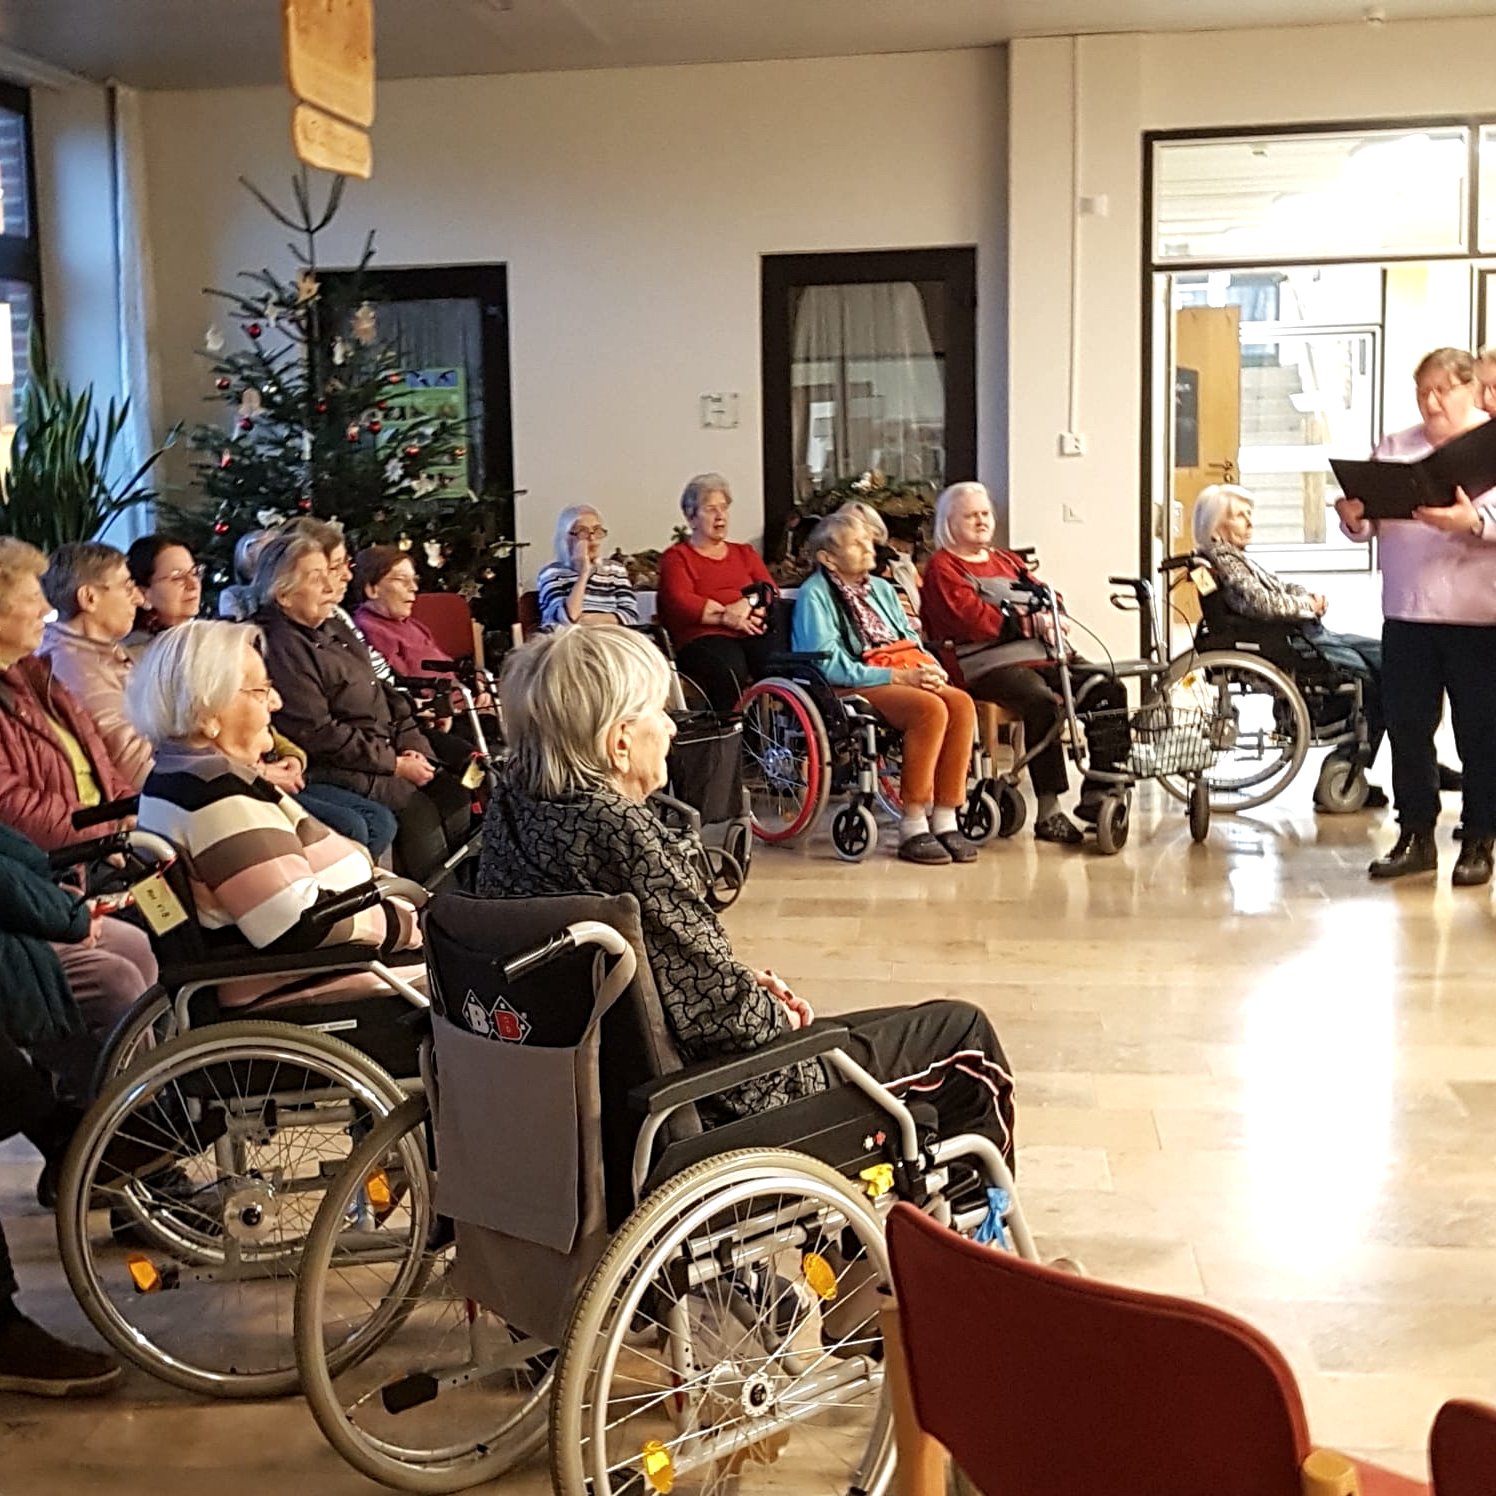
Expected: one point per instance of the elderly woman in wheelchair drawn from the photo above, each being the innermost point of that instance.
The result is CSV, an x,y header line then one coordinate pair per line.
x,y
856,624
682,1261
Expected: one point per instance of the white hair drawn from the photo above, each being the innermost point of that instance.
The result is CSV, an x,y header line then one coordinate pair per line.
x,y
1212,505
944,540
876,524
697,489
187,675
564,521
832,530
562,695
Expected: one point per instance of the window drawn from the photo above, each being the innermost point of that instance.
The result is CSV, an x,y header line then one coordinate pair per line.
x,y
19,258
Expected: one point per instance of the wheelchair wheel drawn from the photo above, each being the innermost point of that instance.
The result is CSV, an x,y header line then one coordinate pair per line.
x,y
725,878
411,1382
728,1340
1199,810
1012,809
888,774
189,1189
786,759
1255,718
147,1026
1341,788
979,819
1113,822
854,832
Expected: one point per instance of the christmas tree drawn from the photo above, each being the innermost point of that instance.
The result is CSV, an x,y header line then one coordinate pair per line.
x,y
322,421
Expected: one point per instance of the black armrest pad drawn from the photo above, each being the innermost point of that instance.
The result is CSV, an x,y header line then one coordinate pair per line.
x,y
234,962
783,659
710,1077
66,858
110,810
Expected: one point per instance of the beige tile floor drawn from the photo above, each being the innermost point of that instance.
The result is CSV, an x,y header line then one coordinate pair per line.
x,y
1244,1073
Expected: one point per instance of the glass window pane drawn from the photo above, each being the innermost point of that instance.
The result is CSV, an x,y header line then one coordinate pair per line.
x,y
15,213
15,334
1342,195
1486,233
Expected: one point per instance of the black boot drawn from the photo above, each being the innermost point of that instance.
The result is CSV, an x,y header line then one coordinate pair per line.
x,y
1415,852
1474,865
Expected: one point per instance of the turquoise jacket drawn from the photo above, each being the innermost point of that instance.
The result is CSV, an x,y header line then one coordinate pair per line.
x,y
821,627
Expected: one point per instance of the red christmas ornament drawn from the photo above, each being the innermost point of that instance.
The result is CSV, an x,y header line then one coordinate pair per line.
x,y
412,451
376,427
353,433
322,407
254,329
224,383
382,405
221,528
304,505
459,451
224,459
394,378
246,424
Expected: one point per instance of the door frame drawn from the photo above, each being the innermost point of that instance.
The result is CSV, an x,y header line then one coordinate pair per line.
x,y
782,274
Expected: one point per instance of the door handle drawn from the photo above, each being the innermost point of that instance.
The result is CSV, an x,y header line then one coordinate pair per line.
x,y
1226,468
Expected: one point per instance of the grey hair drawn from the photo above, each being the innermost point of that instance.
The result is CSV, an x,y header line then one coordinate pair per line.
x,y
563,693
1212,504
870,517
564,521
79,563
278,559
245,552
944,540
698,488
187,675
831,530
328,533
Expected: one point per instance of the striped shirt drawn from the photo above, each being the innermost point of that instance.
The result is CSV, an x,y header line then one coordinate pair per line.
x,y
608,591
256,860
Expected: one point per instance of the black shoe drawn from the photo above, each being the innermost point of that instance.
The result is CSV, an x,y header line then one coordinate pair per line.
x,y
34,1362
1059,828
1415,852
1473,867
957,845
924,849
1376,798
1450,779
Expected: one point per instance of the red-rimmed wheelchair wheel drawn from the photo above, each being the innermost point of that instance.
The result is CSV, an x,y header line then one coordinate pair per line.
x,y
786,759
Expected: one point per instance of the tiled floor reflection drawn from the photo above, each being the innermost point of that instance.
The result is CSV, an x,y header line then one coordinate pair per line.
x,y
1245,1073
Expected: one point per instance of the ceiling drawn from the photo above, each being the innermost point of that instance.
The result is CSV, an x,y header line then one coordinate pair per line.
x,y
221,43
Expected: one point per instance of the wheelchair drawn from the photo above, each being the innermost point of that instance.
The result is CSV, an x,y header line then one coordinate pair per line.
x,y
678,1305
1283,699
190,1184
806,743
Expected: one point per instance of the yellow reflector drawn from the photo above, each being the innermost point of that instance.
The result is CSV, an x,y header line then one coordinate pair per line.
x,y
877,1180
658,1467
820,1276
377,1188
143,1273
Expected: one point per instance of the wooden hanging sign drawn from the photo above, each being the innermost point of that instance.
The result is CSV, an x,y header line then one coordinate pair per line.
x,y
329,144
329,56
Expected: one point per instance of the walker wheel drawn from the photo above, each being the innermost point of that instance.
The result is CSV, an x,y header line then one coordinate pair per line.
x,y
1199,810
1112,824
1341,788
854,832
979,819
1012,809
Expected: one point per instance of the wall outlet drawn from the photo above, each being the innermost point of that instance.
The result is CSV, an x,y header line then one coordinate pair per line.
x,y
1072,444
1071,515
719,412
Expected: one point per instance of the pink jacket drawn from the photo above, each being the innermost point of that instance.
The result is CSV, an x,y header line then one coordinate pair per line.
x,y
406,643
1428,576
94,675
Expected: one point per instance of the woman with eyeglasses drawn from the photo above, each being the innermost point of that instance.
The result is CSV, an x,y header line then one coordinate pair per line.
x,y
171,587
582,585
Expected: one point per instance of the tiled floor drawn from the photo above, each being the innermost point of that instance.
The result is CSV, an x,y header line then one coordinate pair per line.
x,y
1244,1073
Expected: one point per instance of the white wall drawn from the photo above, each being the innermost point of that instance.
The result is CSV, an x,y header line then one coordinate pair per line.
x,y
631,208
1129,85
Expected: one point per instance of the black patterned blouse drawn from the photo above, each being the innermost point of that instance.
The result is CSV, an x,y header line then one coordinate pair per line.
x,y
605,843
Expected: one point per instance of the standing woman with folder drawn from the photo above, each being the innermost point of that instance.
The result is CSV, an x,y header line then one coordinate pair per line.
x,y
1438,631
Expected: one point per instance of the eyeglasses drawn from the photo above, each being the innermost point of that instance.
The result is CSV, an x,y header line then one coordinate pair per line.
x,y
262,693
186,574
129,585
589,532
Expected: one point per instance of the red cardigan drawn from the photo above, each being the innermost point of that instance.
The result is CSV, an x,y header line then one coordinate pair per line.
x,y
689,580
952,611
38,793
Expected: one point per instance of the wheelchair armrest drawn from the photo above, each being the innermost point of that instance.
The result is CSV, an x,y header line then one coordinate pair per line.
x,y
711,1077
110,810
65,858
780,660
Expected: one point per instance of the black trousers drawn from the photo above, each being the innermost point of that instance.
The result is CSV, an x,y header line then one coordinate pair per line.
x,y
725,665
1363,657
435,821
943,1052
1421,663
1034,694
28,1106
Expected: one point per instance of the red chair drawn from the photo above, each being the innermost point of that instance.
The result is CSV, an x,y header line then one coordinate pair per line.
x,y
1462,1450
450,620
1040,1383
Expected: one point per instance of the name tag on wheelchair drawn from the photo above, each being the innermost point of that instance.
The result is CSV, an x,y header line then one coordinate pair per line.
x,y
472,776
161,908
1204,580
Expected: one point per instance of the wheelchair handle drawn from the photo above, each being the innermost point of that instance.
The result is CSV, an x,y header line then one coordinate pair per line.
x,y
583,933
1176,563
87,851
401,888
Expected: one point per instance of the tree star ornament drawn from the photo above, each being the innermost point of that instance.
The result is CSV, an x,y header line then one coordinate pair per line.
x,y
365,324
307,287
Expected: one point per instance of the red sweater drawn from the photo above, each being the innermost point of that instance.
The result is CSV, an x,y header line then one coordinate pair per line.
x,y
953,611
689,580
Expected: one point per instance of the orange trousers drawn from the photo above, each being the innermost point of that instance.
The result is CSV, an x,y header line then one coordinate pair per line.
x,y
938,728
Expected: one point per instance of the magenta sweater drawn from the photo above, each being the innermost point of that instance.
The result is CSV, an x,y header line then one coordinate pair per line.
x,y
1428,576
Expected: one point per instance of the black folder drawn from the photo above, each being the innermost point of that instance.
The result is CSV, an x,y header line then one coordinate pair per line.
x,y
1393,490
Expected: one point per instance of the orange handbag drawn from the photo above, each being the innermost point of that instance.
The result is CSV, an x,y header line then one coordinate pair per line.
x,y
902,654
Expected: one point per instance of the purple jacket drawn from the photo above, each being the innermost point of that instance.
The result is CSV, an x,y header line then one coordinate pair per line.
x,y
1428,576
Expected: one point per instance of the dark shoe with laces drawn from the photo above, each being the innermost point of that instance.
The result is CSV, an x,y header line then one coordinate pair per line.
x,y
39,1364
957,845
1059,828
924,849
1473,867
1376,798
1414,852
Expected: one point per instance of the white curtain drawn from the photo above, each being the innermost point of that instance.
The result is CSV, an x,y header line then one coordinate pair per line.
x,y
867,389
139,374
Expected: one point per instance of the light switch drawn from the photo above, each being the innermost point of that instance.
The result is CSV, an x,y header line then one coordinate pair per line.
x,y
719,412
